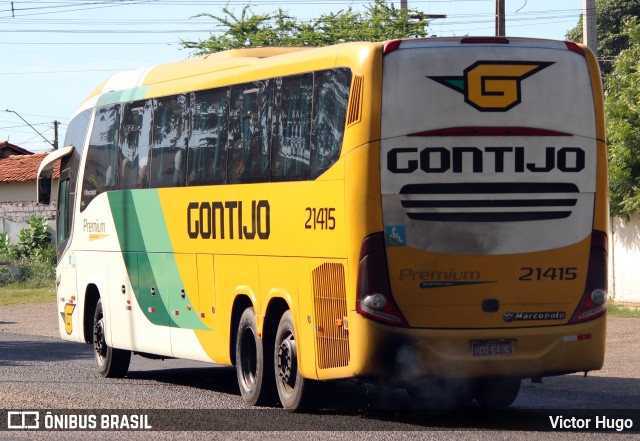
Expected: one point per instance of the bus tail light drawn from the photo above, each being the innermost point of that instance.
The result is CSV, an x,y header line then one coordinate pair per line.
x,y
374,289
484,40
574,47
390,46
593,303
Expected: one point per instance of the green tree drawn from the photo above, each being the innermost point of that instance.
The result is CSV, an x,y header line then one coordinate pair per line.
x,y
379,21
611,16
622,103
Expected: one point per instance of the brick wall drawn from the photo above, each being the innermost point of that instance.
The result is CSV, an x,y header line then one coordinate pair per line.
x,y
22,211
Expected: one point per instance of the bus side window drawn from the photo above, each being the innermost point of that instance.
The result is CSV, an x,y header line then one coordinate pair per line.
x,y
249,132
207,163
102,156
62,216
169,142
291,128
135,134
330,99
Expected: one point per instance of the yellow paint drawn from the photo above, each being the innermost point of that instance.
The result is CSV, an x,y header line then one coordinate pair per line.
x,y
68,317
93,237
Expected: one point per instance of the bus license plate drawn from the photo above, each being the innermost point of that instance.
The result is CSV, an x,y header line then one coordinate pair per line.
x,y
483,348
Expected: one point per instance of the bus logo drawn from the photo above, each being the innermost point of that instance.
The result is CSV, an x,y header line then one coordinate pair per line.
x,y
67,317
492,86
529,316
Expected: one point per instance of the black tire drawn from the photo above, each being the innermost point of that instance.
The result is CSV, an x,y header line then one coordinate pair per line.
x,y
255,377
497,393
294,390
112,362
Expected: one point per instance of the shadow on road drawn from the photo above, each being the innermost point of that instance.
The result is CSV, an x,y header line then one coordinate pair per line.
x,y
14,353
220,379
368,407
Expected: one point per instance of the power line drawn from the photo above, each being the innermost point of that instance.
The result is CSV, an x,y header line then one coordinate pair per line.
x,y
23,125
103,31
67,71
169,43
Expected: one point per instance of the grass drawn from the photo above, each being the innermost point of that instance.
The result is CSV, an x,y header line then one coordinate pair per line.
x,y
18,293
623,310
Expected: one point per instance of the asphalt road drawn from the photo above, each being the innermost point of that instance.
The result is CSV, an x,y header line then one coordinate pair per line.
x,y
38,371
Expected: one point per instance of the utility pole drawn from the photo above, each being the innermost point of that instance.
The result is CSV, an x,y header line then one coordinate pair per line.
x,y
56,123
589,22
53,144
500,19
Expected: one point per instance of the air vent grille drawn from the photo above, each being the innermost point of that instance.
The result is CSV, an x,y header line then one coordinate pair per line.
x,y
355,101
489,202
332,335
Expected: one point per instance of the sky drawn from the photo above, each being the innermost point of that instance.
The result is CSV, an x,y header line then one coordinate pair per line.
x,y
55,52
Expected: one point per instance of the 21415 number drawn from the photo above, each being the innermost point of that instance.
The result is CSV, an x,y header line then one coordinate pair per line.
x,y
553,273
320,218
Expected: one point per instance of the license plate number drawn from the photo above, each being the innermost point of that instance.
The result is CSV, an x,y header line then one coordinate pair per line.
x,y
484,348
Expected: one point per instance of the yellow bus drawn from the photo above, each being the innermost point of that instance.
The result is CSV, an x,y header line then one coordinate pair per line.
x,y
428,212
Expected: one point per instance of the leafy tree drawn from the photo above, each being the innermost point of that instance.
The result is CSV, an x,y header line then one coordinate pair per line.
x,y
380,21
611,16
623,125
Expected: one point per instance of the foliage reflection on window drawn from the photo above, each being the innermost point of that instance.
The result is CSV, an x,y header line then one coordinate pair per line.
x,y
135,135
330,97
249,132
169,142
208,140
291,142
282,129
101,163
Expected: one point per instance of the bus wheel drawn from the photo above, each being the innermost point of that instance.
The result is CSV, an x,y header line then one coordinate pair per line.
x,y
497,393
253,375
292,387
112,362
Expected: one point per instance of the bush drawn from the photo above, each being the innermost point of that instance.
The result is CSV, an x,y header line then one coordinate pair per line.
x,y
34,252
40,268
34,240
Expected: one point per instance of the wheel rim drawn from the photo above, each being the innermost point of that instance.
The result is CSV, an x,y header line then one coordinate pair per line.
x,y
99,342
248,357
286,361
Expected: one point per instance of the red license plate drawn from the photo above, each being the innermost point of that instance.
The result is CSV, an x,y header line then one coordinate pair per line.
x,y
485,348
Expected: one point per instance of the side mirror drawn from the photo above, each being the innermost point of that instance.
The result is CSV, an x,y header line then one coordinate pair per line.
x,y
45,173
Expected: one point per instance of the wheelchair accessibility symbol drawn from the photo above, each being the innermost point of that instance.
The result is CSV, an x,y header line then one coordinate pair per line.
x,y
395,235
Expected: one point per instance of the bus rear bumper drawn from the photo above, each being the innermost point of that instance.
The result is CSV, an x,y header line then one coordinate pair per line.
x,y
401,355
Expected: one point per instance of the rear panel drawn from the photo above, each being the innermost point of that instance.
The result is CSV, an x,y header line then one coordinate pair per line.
x,y
488,171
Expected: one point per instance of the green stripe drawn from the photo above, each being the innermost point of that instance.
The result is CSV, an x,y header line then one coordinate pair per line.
x,y
149,259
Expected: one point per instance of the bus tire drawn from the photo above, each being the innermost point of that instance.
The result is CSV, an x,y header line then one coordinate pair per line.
x,y
112,362
255,377
293,390
497,393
